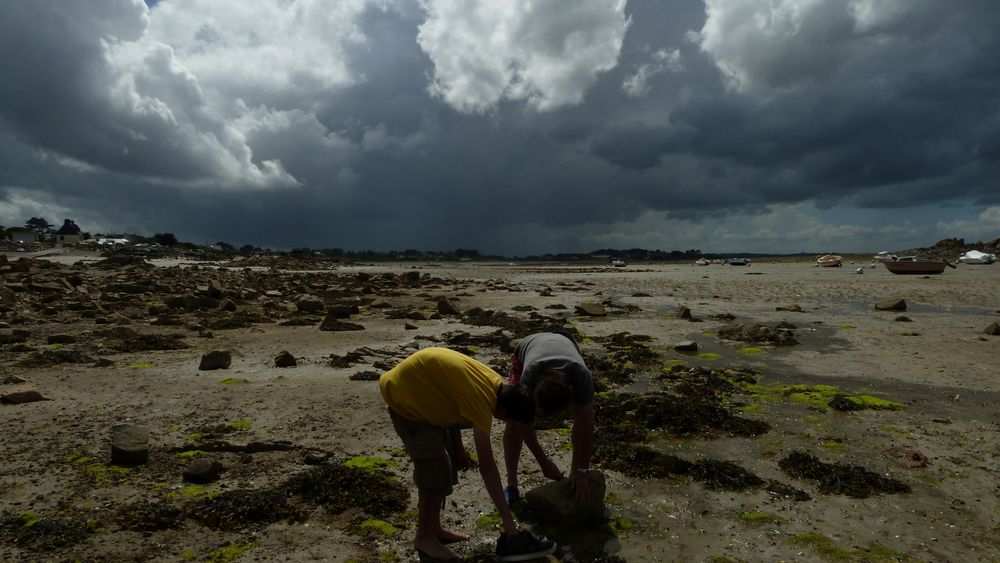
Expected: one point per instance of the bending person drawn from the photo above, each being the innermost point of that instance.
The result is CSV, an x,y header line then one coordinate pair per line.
x,y
551,367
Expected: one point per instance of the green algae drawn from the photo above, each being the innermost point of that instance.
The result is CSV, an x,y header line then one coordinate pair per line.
x,y
380,527
76,457
230,552
140,365
621,526
241,424
370,463
107,473
491,521
871,552
760,518
229,381
709,357
189,454
194,436
752,351
861,402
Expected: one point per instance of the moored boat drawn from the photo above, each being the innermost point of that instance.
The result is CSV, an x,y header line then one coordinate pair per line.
x,y
830,261
738,261
977,257
912,265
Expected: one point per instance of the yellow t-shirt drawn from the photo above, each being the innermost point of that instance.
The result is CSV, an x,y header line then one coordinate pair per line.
x,y
442,387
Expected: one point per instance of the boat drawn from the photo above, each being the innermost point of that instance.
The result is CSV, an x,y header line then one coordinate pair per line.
x,y
916,266
701,262
977,257
884,256
619,263
830,261
738,261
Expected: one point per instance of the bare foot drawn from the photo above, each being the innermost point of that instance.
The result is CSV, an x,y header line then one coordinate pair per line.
x,y
450,536
433,550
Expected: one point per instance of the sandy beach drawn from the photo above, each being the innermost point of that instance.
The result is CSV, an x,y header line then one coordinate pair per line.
x,y
284,435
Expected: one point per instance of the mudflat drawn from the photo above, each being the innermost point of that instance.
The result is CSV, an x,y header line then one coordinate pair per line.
x,y
806,425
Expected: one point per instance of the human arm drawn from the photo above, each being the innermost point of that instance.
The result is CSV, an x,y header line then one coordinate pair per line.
x,y
583,448
491,478
549,468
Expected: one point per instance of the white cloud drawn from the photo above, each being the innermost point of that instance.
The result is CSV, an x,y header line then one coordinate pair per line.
x,y
545,53
776,43
637,85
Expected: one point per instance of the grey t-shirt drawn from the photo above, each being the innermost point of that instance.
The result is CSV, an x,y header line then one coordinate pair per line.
x,y
548,350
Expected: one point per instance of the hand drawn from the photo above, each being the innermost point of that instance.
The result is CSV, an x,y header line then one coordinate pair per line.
x,y
551,470
580,485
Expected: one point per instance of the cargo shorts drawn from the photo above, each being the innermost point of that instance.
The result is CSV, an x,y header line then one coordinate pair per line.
x,y
429,448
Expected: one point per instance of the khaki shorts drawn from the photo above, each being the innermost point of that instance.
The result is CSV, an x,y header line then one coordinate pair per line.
x,y
429,447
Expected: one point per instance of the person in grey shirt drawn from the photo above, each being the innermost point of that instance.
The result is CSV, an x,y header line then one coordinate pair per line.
x,y
550,365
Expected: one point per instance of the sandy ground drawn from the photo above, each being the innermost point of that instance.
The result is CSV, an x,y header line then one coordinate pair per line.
x,y
941,366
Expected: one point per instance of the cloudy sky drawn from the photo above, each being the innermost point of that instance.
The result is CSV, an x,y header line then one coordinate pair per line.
x,y
513,127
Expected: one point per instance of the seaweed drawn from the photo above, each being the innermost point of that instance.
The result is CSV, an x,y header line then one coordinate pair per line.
x,y
837,478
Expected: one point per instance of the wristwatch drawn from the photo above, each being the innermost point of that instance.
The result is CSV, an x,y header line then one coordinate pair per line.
x,y
581,471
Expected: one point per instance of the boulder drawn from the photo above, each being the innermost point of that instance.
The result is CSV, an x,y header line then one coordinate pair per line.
x,y
591,310
21,395
61,339
129,444
309,304
215,359
330,323
683,312
203,470
285,360
993,329
446,307
894,304
555,502
686,346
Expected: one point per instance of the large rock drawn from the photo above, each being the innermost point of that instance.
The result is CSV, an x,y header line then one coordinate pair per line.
x,y
216,359
21,395
203,470
309,304
446,307
591,310
555,501
129,444
285,360
894,304
993,329
753,331
331,323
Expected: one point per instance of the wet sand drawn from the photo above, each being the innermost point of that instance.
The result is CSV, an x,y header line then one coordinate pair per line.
x,y
940,365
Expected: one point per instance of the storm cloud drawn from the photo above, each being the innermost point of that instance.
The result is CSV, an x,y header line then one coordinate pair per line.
x,y
509,126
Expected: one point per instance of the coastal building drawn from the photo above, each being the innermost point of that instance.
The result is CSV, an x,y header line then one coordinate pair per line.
x,y
68,235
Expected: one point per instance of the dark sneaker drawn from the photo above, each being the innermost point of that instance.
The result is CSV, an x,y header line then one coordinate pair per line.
x,y
512,495
523,547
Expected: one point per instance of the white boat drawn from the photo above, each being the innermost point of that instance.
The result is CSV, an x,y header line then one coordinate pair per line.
x,y
619,263
976,257
884,256
830,261
702,262
738,261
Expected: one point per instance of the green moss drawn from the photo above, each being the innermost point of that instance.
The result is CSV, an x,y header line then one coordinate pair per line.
x,y
878,553
621,525
76,457
103,473
709,334
760,518
860,402
822,545
399,452
29,519
752,351
194,436
847,326
228,553
833,447
567,447
189,555
229,381
709,357
190,454
53,346
753,409
380,527
140,365
815,420
241,424
370,463
491,521
563,431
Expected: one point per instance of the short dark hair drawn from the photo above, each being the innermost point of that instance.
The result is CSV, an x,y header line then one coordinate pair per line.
x,y
553,392
515,400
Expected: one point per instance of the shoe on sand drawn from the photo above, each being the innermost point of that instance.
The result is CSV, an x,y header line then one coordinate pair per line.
x,y
523,547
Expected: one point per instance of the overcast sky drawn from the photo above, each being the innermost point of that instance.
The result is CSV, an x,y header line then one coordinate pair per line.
x,y
513,127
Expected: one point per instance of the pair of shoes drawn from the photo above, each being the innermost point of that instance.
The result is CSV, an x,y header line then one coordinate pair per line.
x,y
512,495
523,547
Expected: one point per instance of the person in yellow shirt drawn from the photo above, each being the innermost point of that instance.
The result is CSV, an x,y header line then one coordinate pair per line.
x,y
432,393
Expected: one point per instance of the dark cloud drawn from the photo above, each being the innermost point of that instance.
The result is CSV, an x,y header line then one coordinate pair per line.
x,y
357,127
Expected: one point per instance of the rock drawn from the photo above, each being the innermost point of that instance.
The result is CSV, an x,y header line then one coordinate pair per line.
x,y
446,307
683,312
344,311
554,501
22,395
284,360
203,470
309,304
410,326
227,304
7,297
216,359
61,339
415,316
793,308
129,444
332,324
894,304
591,310
686,346
993,329
214,290
903,319
103,363
753,331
